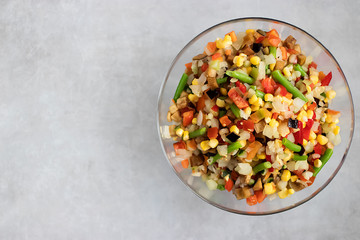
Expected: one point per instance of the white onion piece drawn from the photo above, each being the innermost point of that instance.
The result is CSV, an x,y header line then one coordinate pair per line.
x,y
244,168
300,165
282,185
298,103
211,184
307,175
291,165
269,59
202,79
222,150
200,118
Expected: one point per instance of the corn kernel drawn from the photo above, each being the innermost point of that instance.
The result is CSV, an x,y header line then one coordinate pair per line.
x,y
267,119
313,141
273,123
317,163
291,191
193,98
194,121
301,116
227,39
336,130
308,89
255,108
328,118
293,178
220,103
253,99
213,143
234,129
305,142
314,79
205,145
269,97
285,176
255,60
269,188
248,31
286,72
310,114
186,135
247,111
271,66
248,69
195,82
261,156
312,135
322,139
330,94
179,132
242,143
223,91
283,193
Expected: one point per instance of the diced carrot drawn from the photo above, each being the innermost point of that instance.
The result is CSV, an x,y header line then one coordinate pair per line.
x,y
185,163
275,115
252,138
191,144
178,146
288,95
260,196
259,39
227,52
225,121
332,112
201,103
212,133
283,53
312,106
312,179
274,41
272,32
252,149
211,46
321,75
233,36
188,66
204,67
187,117
216,56
292,51
252,200
229,185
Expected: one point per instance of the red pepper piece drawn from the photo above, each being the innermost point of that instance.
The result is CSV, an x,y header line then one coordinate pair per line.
x,y
299,134
326,80
241,86
307,129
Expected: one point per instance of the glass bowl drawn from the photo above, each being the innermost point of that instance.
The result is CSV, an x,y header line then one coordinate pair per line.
x,y
343,102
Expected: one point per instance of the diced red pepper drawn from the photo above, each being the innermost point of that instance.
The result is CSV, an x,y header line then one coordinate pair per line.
x,y
241,86
234,175
225,121
247,125
252,200
252,138
259,39
215,56
178,146
212,133
312,65
299,134
283,90
237,99
187,118
229,185
312,179
260,196
292,51
272,32
326,80
268,85
204,67
318,149
201,103
215,108
312,106
307,129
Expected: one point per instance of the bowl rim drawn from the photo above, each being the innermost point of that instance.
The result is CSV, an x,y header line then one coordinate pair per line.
x,y
351,128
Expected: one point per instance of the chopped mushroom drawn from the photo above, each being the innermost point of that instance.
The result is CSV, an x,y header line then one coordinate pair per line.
x,y
247,50
301,58
242,193
196,160
176,116
290,42
280,65
297,186
258,185
182,102
199,56
212,83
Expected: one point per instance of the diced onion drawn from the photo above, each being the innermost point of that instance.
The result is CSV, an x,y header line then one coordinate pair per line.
x,y
244,168
211,184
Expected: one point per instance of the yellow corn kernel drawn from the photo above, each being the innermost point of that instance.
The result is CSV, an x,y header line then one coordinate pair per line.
x,y
336,130
195,82
248,69
291,191
267,119
328,118
205,145
194,121
336,121
285,176
186,135
312,135
308,89
269,188
193,98
255,60
286,72
248,31
293,178
283,193
223,91
289,155
234,129
322,139
305,107
273,123
317,163
301,115
242,143
271,66
227,39
220,103
330,94
269,97
238,61
305,142
261,156
255,108
253,99
213,143
312,141
179,132
314,79
247,111
219,43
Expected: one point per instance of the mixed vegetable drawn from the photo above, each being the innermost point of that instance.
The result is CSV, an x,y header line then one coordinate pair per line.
x,y
252,116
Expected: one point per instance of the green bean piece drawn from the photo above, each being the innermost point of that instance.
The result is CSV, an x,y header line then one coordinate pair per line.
x,y
297,67
324,158
221,80
292,146
272,51
241,76
197,133
181,86
277,75
297,157
221,187
235,110
232,147
261,166
260,94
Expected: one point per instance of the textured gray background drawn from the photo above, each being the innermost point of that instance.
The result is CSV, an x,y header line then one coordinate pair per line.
x,y
79,151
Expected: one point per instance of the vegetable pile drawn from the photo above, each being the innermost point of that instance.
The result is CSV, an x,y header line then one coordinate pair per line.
x,y
251,116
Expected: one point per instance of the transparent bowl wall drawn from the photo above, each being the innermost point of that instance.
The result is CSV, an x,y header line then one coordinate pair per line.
x,y
342,102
